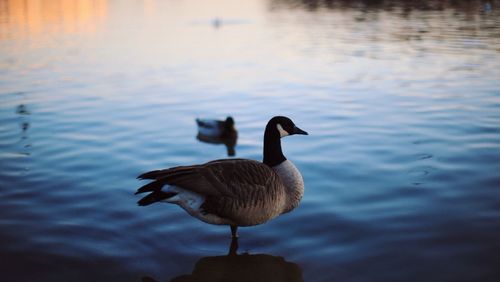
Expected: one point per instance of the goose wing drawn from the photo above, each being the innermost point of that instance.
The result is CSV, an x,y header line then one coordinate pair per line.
x,y
219,177
245,184
226,184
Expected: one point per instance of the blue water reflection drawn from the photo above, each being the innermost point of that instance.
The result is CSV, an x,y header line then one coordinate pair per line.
x,y
401,100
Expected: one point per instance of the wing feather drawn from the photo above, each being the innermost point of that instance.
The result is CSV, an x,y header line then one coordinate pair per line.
x,y
227,184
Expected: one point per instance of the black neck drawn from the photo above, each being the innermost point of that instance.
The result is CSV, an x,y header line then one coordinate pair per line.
x,y
272,146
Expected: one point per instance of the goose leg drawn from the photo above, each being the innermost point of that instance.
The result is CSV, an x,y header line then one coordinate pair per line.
x,y
233,248
234,231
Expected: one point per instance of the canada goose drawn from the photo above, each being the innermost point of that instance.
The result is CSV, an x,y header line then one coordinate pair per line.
x,y
217,128
234,192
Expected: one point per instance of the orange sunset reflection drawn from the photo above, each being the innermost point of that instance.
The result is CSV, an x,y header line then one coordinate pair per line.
x,y
34,17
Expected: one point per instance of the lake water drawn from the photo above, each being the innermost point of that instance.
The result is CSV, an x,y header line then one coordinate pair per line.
x,y
401,167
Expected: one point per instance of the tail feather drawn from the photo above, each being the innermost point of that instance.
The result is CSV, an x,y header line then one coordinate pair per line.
x,y
182,176
152,174
161,178
154,197
150,187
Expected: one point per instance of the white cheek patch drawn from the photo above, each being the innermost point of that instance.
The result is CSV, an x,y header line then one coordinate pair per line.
x,y
283,132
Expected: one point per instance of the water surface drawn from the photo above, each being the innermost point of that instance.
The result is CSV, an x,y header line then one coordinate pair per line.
x,y
401,101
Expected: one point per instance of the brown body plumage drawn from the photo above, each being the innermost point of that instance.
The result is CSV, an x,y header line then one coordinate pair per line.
x,y
237,191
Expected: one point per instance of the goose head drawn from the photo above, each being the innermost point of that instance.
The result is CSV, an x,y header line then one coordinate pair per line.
x,y
277,128
283,126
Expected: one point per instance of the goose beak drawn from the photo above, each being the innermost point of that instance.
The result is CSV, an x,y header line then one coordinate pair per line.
x,y
297,130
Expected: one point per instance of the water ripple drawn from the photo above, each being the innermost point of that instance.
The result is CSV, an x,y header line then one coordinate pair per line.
x,y
401,165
